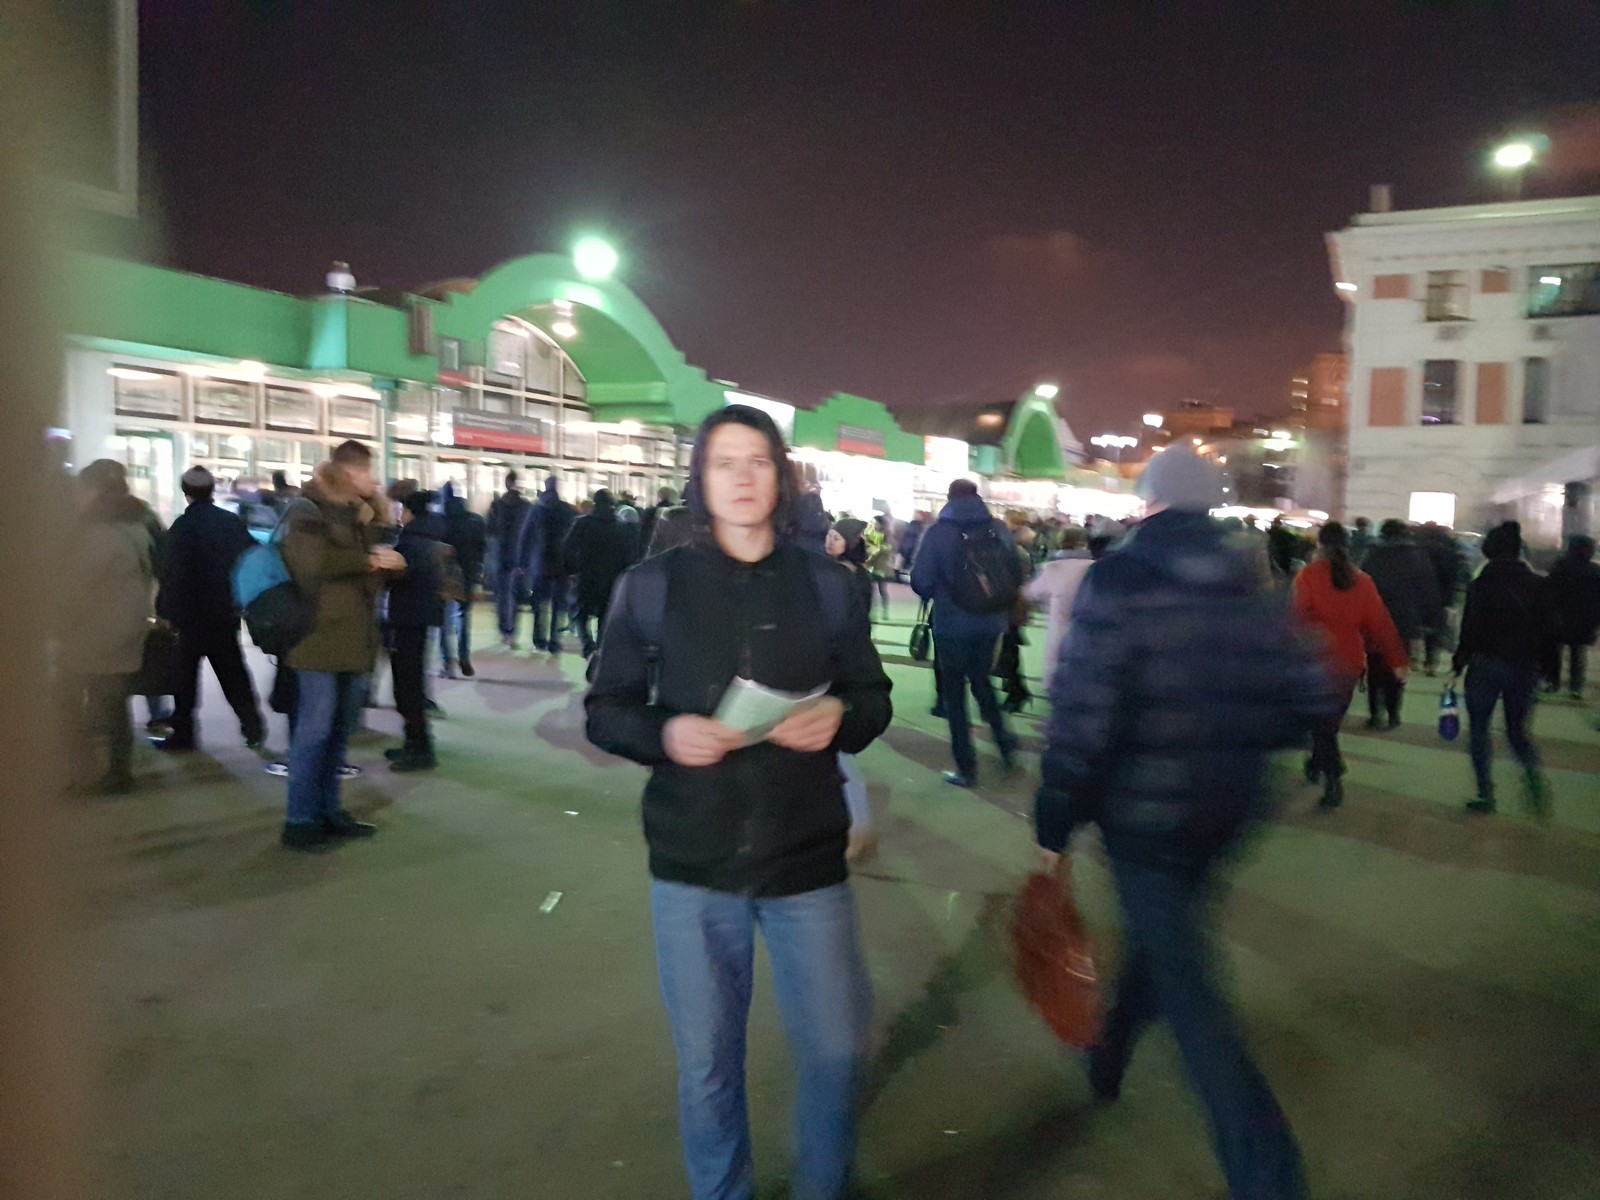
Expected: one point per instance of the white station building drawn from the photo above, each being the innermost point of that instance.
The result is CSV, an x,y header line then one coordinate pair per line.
x,y
1473,336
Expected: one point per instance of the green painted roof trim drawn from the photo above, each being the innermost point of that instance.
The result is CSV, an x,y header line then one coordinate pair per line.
x,y
818,428
1031,447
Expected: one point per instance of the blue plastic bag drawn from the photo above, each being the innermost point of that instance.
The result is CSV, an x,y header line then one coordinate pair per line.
x,y
1449,715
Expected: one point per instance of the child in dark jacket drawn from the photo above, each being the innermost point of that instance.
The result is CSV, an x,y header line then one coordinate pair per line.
x,y
416,604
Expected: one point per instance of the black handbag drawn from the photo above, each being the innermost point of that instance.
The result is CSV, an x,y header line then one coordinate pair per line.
x,y
921,636
159,664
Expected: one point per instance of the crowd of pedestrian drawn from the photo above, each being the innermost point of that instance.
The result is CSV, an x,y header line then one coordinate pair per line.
x,y
1180,656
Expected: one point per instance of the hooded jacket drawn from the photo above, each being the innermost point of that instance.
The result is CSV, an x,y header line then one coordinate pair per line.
x,y
938,561
330,531
542,544
599,549
1508,616
466,533
1179,676
764,821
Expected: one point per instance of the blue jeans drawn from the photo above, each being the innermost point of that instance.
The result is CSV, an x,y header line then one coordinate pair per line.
x,y
705,952
1491,681
455,635
548,597
964,662
328,708
506,586
1168,975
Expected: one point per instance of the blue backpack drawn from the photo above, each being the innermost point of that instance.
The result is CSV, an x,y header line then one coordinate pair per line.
x,y
277,610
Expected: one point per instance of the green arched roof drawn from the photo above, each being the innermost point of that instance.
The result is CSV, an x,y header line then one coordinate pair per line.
x,y
1032,444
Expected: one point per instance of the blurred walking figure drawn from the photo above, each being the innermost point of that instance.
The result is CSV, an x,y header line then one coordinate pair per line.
x,y
1449,569
197,598
109,607
1056,586
745,833
1180,674
845,544
1342,603
880,560
416,604
967,566
599,549
332,550
465,532
1404,577
1575,597
541,553
507,515
1505,634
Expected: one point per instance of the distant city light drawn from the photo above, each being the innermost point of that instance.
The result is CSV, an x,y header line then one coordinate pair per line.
x,y
1316,514
1514,156
1114,441
1154,420
1550,280
1344,285
594,258
1047,391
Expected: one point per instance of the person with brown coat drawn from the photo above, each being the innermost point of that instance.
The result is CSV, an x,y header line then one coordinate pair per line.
x,y
110,605
332,549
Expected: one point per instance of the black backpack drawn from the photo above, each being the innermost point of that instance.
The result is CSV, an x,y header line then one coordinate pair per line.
x,y
988,575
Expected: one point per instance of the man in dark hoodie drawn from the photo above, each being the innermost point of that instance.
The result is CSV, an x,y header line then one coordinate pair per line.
x,y
748,833
965,641
1405,579
197,598
1180,674
541,551
416,605
465,532
1506,630
507,515
598,550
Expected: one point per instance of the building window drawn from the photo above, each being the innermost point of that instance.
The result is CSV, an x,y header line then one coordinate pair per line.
x,y
143,393
508,352
1535,391
1570,291
218,402
1440,391
450,355
1438,508
293,410
1447,295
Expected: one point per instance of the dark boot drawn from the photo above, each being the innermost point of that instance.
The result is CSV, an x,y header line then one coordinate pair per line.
x,y
415,755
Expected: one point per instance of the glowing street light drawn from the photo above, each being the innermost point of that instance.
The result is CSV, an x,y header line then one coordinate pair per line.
x,y
1047,391
1154,420
1514,156
594,258
1117,442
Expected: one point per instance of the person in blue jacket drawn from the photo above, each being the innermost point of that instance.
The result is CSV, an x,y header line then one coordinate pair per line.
x,y
965,642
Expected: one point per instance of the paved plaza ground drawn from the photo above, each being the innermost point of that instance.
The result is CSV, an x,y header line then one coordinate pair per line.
x,y
466,1005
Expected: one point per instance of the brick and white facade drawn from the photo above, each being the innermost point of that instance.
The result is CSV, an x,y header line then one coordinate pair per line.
x,y
1458,285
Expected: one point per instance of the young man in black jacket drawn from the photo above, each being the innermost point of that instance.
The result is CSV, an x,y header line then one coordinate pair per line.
x,y
196,597
747,832
416,605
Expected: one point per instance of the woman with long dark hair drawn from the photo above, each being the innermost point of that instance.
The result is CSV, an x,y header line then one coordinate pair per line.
x,y
1342,603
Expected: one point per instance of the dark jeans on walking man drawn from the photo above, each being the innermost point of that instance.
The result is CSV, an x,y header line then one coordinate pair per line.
x,y
507,583
1573,657
1385,692
219,646
965,662
1492,681
551,610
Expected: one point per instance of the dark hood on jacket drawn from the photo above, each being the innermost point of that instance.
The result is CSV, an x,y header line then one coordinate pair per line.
x,y
1194,550
966,510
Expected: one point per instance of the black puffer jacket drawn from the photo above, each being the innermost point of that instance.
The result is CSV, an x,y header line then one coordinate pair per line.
x,y
598,550
764,821
1179,676
1508,616
1406,581
1575,595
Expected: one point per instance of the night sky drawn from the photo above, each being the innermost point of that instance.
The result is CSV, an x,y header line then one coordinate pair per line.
x,y
923,203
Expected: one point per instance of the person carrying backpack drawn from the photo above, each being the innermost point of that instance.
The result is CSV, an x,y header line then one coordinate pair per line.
x,y
968,567
747,832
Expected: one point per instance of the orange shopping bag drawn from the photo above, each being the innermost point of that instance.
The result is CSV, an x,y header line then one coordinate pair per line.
x,y
1054,961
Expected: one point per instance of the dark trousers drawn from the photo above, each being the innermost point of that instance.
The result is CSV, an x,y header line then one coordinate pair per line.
x,y
1008,667
965,662
1168,975
548,598
408,648
1384,689
1575,657
1440,636
104,713
1492,681
1326,758
220,647
506,586
591,640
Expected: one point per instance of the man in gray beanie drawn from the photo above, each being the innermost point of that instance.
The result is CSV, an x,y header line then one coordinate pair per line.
x,y
1179,676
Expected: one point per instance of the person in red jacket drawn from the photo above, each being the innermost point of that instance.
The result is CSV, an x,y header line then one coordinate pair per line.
x,y
1342,603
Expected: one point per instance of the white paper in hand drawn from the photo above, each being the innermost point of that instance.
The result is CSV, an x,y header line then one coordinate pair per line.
x,y
755,710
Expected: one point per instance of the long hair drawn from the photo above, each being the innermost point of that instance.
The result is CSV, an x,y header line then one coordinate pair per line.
x,y
1335,542
751,418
